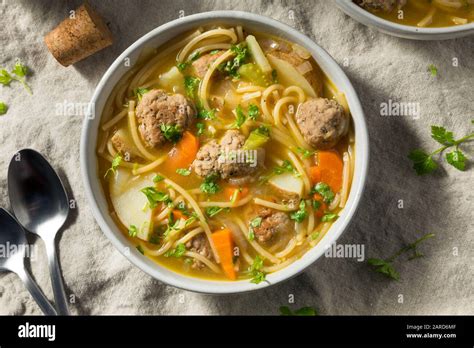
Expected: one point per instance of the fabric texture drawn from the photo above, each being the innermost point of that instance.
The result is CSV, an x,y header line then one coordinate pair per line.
x,y
381,68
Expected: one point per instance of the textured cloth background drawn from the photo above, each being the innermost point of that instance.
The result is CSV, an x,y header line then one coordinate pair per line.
x,y
380,67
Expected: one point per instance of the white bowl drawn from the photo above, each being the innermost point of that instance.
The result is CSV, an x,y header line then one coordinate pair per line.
x,y
404,31
155,38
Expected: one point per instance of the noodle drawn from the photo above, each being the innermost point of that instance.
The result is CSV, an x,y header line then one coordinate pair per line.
x,y
345,179
272,205
215,32
112,122
239,203
204,260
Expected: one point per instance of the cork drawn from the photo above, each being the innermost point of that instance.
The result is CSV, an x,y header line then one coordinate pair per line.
x,y
77,38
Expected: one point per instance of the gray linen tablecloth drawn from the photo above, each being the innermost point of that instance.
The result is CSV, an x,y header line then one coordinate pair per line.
x,y
381,67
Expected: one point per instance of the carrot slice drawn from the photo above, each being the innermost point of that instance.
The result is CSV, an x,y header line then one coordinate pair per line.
x,y
224,245
328,169
184,153
178,214
230,193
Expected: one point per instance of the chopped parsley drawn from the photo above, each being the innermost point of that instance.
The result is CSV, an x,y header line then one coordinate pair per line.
x,y
183,171
240,117
301,213
154,196
209,185
139,92
176,252
3,108
182,66
204,114
256,222
194,56
274,76
132,231
304,152
157,178
433,70
213,211
325,191
191,85
253,112
18,73
171,132
329,217
115,164
255,271
241,55
200,128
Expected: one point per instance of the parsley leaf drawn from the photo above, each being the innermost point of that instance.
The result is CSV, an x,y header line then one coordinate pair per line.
x,y
325,191
3,108
171,132
253,111
213,211
191,85
176,252
433,70
304,152
206,114
240,117
115,164
5,77
423,162
200,128
183,171
182,66
457,159
157,178
209,185
155,196
256,222
132,231
384,267
139,92
442,136
301,213
241,55
329,217
255,272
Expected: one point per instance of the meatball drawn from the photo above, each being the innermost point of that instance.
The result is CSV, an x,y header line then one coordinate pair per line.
x,y
381,5
226,159
203,63
206,162
272,222
159,108
322,122
231,163
200,244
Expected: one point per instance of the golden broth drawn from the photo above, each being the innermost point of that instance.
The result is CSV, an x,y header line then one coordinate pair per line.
x,y
430,13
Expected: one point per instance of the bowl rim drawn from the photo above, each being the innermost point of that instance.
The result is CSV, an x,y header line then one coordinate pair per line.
x,y
359,14
89,162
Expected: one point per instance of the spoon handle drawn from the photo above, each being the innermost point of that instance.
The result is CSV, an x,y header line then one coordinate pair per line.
x,y
56,278
36,292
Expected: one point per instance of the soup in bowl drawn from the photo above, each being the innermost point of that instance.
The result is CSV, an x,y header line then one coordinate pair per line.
x,y
226,154
414,19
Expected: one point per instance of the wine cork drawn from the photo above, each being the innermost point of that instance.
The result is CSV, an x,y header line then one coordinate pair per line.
x,y
79,36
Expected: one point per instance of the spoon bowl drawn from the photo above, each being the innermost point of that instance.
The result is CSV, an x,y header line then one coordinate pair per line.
x,y
12,237
40,203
